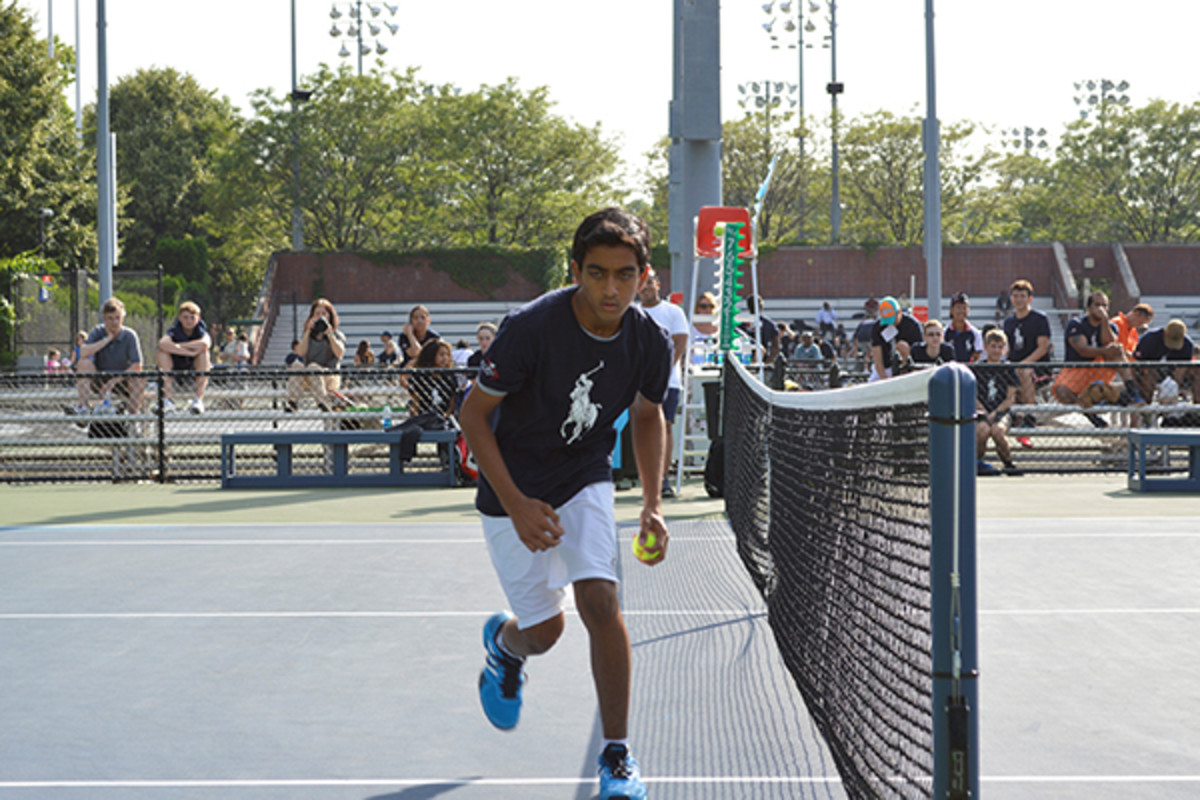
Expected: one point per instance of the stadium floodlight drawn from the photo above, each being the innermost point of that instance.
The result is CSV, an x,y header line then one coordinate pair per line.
x,y
767,7
363,25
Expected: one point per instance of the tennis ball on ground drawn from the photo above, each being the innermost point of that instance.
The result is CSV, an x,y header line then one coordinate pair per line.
x,y
640,551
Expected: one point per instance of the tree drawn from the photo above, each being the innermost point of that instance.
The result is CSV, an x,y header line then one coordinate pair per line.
x,y
41,162
511,171
168,128
1141,167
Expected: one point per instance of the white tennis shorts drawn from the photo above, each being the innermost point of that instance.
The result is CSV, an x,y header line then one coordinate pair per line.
x,y
535,583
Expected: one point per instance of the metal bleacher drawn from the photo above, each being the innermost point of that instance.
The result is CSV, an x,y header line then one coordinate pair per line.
x,y
358,321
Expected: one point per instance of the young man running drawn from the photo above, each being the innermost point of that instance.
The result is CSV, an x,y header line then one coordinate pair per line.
x,y
560,372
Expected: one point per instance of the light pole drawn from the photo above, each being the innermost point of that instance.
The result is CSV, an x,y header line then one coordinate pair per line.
x,y
764,96
834,88
796,25
298,96
1088,96
354,28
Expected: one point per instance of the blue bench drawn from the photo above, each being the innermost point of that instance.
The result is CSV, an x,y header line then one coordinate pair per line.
x,y
340,475
1140,440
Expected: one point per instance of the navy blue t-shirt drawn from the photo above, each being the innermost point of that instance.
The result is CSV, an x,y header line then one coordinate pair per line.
x,y
1023,334
992,382
1152,346
178,335
920,355
1083,326
563,389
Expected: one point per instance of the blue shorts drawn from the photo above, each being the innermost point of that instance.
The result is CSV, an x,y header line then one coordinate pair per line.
x,y
670,405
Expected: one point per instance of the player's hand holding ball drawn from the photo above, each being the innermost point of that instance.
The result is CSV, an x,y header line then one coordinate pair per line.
x,y
650,545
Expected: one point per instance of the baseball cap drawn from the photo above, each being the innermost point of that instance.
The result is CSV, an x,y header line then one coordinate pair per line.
x,y
1174,334
388,334
889,310
960,297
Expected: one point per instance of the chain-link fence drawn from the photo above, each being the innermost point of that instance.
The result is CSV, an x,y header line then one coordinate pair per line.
x,y
156,426
1062,417
157,436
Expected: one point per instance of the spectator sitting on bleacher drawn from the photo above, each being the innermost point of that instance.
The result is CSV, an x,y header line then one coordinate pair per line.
x,y
461,353
826,321
227,350
768,342
363,357
895,332
1091,337
1028,334
964,338
415,334
935,350
433,393
807,351
1171,344
80,338
1130,325
995,393
389,356
293,357
321,347
185,346
241,352
110,347
54,362
485,333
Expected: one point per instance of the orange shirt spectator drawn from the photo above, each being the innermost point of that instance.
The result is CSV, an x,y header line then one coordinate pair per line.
x,y
1129,325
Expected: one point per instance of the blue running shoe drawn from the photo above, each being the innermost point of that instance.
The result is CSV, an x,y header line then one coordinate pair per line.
x,y
501,679
620,777
982,468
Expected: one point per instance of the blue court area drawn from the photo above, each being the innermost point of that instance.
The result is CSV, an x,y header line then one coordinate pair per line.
x,y
325,661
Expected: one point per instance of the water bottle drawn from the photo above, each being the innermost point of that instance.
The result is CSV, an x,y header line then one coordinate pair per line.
x,y
387,417
106,407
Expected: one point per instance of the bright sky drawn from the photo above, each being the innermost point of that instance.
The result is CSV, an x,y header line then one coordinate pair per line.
x,y
609,61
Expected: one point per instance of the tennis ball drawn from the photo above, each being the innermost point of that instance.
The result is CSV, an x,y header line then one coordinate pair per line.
x,y
719,229
642,552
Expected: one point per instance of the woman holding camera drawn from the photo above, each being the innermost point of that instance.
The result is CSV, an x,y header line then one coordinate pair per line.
x,y
320,349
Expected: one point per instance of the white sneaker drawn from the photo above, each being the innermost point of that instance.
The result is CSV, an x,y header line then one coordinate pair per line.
x,y
168,405
196,406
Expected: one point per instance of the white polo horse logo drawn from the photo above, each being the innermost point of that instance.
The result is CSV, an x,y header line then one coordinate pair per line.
x,y
584,412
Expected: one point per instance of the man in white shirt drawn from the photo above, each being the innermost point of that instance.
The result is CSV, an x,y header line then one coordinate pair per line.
x,y
671,318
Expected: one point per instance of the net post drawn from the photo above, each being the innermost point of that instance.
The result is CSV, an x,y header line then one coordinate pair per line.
x,y
952,579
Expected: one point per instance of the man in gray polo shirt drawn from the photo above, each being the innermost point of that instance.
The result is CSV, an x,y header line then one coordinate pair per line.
x,y
110,347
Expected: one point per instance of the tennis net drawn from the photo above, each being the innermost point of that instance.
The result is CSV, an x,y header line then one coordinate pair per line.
x,y
829,496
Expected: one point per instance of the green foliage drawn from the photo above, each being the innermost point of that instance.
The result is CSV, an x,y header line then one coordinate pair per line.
x,y
41,165
12,271
483,270
168,130
185,261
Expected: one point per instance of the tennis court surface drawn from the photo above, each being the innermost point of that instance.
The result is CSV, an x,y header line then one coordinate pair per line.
x,y
184,642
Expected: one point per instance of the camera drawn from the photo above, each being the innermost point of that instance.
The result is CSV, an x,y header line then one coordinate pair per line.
x,y
320,325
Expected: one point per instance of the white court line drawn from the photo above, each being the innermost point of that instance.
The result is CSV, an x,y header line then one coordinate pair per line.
x,y
707,612
269,542
76,615
677,780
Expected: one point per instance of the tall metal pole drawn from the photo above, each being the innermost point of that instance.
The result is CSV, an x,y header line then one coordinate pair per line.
x,y
106,213
835,88
800,128
78,81
360,27
933,176
50,27
297,217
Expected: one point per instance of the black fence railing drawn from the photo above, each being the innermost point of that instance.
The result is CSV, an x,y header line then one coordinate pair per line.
x,y
149,431
155,426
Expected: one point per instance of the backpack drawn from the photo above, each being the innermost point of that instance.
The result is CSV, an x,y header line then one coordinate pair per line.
x,y
714,469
